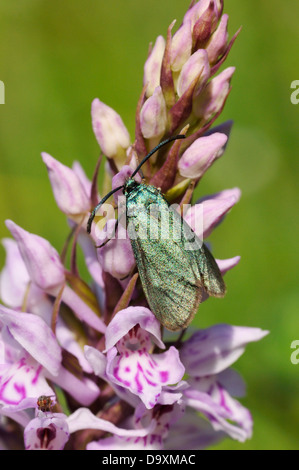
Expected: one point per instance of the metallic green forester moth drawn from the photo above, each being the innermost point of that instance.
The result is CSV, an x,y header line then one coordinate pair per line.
x,y
174,277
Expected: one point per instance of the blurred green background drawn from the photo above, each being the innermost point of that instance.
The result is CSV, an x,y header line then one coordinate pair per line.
x,y
55,57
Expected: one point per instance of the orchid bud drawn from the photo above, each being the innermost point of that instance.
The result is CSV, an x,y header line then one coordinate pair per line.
x,y
68,190
212,98
153,118
152,66
194,13
197,66
218,42
84,180
205,25
116,257
120,179
110,131
181,47
200,155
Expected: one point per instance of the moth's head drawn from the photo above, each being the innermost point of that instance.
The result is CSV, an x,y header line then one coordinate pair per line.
x,y
129,185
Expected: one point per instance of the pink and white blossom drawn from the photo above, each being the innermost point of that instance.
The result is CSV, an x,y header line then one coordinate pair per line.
x,y
129,361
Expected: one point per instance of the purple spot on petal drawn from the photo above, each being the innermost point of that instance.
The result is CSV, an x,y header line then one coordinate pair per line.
x,y
21,363
153,384
223,402
35,378
138,383
21,390
164,376
154,362
115,373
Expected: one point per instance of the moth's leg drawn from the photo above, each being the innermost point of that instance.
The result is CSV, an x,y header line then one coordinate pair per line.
x,y
178,342
108,239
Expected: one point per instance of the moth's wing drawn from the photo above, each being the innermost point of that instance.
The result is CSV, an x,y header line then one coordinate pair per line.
x,y
170,283
173,276
208,269
210,273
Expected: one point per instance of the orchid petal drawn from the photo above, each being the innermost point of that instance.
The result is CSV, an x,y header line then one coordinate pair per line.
x,y
212,350
47,432
35,336
41,259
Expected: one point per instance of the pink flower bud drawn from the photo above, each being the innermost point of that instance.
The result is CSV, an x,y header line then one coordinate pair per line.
x,y
41,259
217,206
217,44
181,46
213,96
201,154
227,264
194,13
197,66
218,6
116,257
80,173
68,190
120,179
213,210
153,118
152,66
109,129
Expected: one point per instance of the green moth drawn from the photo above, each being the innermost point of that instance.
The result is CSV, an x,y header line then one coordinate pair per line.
x,y
176,269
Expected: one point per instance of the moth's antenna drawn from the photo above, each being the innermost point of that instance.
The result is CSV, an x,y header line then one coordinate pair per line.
x,y
161,144
92,215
